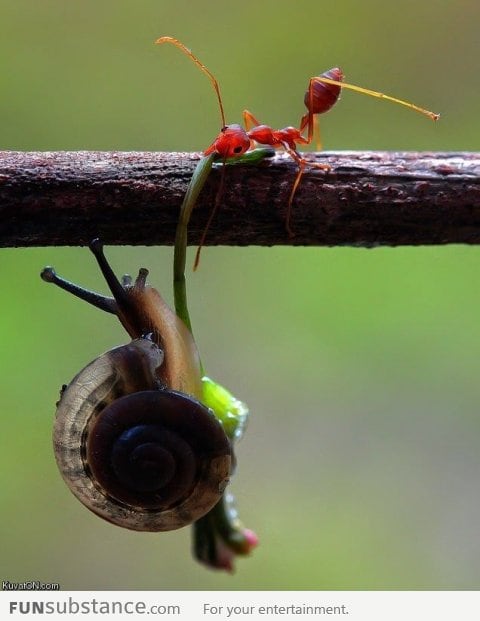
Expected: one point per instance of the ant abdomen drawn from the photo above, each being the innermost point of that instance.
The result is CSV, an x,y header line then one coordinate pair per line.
x,y
320,97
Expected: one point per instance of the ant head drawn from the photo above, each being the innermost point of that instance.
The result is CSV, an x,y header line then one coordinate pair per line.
x,y
232,141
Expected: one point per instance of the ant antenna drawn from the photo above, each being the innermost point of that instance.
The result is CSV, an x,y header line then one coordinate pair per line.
x,y
367,91
199,64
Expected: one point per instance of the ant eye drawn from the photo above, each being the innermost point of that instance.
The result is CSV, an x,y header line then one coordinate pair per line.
x,y
237,149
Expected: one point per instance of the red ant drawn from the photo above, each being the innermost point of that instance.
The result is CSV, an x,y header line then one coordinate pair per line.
x,y
322,93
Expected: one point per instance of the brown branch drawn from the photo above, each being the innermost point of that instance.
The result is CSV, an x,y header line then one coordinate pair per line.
x,y
369,198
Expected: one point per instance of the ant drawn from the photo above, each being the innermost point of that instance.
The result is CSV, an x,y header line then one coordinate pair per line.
x,y
322,94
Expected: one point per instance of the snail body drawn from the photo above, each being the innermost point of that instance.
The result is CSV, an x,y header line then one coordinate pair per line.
x,y
148,313
132,440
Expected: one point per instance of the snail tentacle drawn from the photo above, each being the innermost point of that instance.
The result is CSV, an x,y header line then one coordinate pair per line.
x,y
103,302
119,292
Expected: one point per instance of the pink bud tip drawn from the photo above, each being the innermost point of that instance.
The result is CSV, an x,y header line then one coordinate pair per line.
x,y
250,538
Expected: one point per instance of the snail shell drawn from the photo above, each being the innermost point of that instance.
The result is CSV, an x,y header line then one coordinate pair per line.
x,y
139,456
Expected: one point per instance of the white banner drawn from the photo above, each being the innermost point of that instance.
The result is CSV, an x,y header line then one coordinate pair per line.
x,y
17,602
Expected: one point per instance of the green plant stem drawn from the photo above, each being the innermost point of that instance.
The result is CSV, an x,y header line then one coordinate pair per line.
x,y
195,186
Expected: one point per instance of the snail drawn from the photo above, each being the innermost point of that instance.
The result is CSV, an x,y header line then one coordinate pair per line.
x,y
132,439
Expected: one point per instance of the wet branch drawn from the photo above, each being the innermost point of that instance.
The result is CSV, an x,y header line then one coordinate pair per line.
x,y
368,199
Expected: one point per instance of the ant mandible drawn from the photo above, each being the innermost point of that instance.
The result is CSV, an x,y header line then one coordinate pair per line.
x,y
322,94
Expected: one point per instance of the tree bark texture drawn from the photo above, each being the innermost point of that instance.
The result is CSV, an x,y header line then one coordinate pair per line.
x,y
367,199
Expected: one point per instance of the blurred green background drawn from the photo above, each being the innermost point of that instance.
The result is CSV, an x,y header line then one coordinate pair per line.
x,y
361,465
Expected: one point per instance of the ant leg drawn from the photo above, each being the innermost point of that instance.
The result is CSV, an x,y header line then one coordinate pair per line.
x,y
301,167
316,132
295,155
302,162
304,122
213,211
249,120
367,91
308,119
